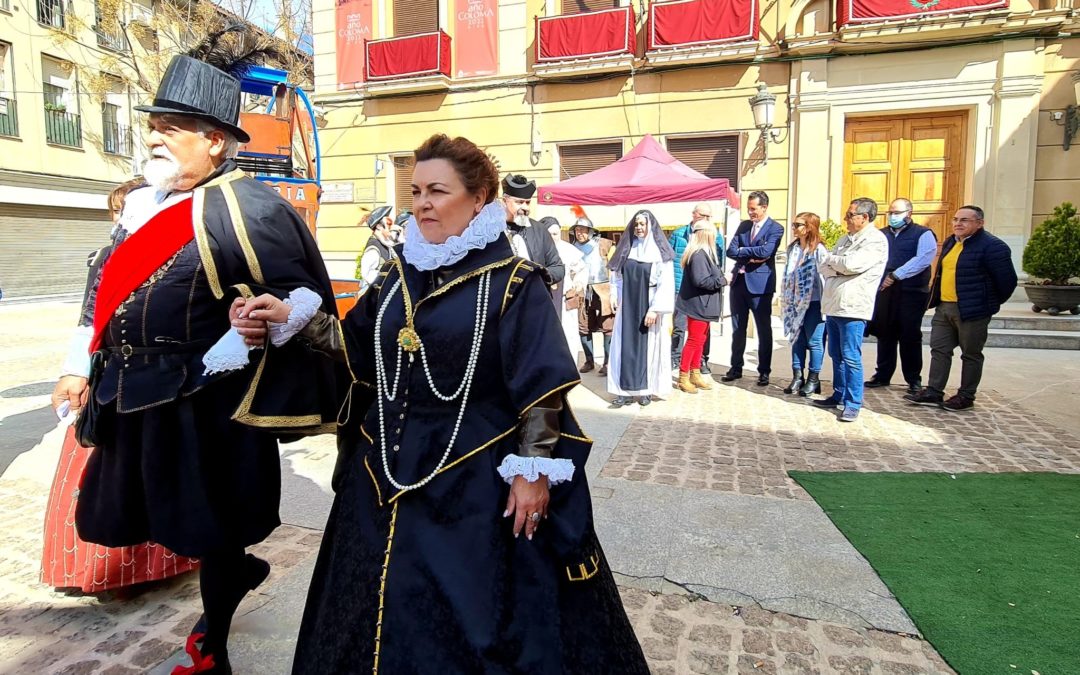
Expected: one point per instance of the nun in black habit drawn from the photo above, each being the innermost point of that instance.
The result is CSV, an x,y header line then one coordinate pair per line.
x,y
461,538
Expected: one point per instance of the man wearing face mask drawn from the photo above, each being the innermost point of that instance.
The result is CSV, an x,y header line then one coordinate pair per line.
x,y
902,298
528,238
380,246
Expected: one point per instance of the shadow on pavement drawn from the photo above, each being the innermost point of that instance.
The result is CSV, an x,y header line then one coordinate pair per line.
x,y
21,432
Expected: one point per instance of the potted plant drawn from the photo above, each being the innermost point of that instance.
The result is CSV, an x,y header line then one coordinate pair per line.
x,y
1052,259
831,231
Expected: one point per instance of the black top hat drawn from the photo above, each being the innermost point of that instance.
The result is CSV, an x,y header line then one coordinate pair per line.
x,y
378,215
193,88
516,185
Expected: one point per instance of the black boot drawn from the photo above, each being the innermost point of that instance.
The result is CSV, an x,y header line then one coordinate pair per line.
x,y
811,386
796,382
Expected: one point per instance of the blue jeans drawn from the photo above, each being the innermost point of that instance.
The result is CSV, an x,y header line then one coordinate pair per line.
x,y
845,348
811,337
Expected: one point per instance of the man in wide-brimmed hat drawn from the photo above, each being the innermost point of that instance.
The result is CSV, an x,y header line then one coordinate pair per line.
x,y
380,245
185,436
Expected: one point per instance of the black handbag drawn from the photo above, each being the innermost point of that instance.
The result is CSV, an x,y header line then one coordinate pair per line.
x,y
88,425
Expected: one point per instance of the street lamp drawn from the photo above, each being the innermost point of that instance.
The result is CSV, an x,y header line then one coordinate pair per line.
x,y
1072,113
763,105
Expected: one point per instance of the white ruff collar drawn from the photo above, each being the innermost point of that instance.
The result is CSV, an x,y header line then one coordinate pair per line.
x,y
486,227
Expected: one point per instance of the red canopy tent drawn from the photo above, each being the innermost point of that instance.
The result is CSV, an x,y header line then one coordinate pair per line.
x,y
648,174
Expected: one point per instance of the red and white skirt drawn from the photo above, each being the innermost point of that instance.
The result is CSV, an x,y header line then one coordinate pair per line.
x,y
69,562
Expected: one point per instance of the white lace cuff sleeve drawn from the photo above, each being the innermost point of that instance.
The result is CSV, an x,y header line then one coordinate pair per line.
x,y
304,303
531,468
77,361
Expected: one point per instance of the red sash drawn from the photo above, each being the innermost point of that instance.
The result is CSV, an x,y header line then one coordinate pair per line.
x,y
139,256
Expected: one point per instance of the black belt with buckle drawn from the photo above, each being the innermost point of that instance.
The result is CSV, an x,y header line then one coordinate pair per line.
x,y
166,347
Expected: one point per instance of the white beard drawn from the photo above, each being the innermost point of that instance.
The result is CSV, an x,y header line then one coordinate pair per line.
x,y
162,172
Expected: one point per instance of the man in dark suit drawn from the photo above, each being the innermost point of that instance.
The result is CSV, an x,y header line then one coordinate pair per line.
x,y
528,238
753,248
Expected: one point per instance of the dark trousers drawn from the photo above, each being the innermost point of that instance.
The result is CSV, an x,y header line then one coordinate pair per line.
x,y
678,337
947,332
900,330
742,305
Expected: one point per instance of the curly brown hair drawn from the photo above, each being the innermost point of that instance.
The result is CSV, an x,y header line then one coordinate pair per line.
x,y
473,166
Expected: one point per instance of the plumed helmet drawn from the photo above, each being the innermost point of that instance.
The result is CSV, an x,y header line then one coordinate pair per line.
x,y
378,215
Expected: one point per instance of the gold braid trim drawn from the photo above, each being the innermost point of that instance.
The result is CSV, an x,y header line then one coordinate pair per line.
x,y
583,573
463,278
382,588
378,492
198,221
240,228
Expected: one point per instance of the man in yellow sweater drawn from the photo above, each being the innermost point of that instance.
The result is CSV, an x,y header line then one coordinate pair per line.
x,y
975,276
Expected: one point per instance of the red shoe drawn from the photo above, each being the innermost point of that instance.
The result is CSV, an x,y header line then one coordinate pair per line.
x,y
200,663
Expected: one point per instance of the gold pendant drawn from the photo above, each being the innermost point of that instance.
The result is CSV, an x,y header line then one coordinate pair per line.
x,y
408,339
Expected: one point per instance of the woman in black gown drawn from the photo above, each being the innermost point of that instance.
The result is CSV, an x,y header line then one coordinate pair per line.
x,y
456,438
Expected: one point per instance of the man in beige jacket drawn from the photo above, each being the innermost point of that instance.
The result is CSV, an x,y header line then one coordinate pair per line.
x,y
852,273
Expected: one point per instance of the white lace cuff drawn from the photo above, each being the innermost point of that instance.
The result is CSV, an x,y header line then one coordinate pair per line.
x,y
77,361
531,468
304,302
228,353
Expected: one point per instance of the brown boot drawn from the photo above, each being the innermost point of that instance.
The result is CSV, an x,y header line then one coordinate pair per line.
x,y
685,384
699,381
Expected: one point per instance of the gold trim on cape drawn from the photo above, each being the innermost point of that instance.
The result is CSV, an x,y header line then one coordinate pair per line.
x,y
198,221
240,228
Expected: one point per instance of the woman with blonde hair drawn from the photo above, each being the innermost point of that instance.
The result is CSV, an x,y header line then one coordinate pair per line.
x,y
699,299
801,303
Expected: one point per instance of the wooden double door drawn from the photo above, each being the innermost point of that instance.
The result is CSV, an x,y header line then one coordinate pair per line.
x,y
920,157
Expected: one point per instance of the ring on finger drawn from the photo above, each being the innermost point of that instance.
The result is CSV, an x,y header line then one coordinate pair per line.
x,y
535,517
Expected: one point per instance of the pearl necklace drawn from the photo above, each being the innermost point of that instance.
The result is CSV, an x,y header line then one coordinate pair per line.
x,y
384,389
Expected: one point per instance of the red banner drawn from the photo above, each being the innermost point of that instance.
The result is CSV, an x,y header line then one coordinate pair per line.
x,y
409,56
353,26
870,11
476,37
689,23
607,32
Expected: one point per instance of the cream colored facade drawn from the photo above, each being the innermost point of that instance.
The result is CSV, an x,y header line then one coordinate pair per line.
x,y
66,139
1007,71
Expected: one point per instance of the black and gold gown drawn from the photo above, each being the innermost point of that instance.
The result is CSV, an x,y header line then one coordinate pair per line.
x,y
432,580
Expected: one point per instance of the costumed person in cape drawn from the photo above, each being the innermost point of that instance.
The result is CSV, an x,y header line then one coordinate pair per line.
x,y
461,538
528,238
68,562
596,314
380,245
184,430
643,280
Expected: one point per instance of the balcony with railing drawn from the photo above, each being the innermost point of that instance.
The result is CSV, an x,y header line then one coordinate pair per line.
x,y
51,13
574,44
116,139
701,31
408,63
9,117
111,37
62,127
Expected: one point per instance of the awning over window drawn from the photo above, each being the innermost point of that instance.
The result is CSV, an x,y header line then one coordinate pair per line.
x,y
870,11
692,23
409,56
609,32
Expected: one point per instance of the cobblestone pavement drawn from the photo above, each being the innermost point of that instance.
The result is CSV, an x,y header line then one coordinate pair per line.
x,y
767,433
43,631
680,635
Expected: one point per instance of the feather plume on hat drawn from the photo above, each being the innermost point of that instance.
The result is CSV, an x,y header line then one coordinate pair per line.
x,y
581,219
235,49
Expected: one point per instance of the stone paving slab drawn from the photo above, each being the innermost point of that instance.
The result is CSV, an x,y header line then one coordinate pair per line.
x,y
781,555
681,636
744,439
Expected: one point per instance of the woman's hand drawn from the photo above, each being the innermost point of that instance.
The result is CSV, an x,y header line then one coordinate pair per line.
x,y
528,504
253,332
650,319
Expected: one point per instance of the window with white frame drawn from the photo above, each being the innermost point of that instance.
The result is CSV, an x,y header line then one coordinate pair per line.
x,y
9,114
61,102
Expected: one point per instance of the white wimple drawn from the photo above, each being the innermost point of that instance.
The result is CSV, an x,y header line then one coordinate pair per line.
x,y
383,386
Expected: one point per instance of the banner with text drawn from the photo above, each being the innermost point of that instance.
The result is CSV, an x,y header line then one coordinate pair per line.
x,y
476,37
353,25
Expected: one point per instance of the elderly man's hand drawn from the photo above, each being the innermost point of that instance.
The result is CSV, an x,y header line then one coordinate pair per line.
x,y
73,389
253,330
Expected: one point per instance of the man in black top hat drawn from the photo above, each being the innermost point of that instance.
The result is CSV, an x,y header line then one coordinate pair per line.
x,y
528,238
185,434
380,245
